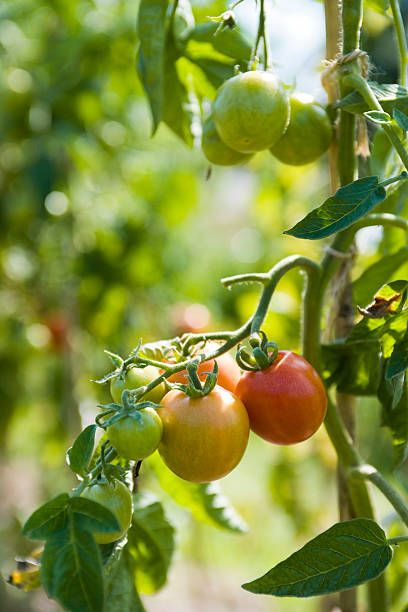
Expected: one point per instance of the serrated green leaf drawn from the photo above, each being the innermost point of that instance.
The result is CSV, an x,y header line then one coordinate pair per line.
x,y
204,501
93,516
341,210
378,117
354,367
121,593
150,544
80,453
71,569
229,42
49,518
395,417
376,275
344,556
401,118
389,95
151,56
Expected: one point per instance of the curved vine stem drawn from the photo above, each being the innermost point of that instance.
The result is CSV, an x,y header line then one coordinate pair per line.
x,y
401,40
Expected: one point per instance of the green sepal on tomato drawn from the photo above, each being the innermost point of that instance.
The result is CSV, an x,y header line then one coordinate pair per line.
x,y
308,134
286,402
116,497
134,378
137,434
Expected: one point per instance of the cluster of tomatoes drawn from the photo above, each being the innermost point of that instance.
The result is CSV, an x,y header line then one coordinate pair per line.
x,y
253,112
203,438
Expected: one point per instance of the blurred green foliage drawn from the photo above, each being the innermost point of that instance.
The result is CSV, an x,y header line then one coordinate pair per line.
x,y
108,237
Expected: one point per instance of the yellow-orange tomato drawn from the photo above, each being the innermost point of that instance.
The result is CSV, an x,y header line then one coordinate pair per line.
x,y
286,402
228,370
203,438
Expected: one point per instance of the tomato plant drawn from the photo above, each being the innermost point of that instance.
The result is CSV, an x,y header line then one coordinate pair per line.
x,y
136,435
251,111
308,134
286,402
114,496
203,438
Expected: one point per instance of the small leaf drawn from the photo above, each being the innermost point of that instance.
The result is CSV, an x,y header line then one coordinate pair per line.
x,y
229,42
389,95
398,362
344,556
93,516
354,367
204,501
378,117
375,275
116,360
121,593
341,210
216,72
80,453
71,569
152,35
150,544
394,415
48,518
401,118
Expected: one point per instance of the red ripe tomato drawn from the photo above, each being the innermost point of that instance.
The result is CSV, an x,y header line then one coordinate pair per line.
x,y
286,402
228,370
203,438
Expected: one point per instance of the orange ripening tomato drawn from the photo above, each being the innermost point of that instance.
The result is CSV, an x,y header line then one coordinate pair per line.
x,y
286,402
228,370
203,438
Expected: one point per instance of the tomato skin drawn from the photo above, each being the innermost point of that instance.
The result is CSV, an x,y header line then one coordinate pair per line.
x,y
136,436
286,402
216,151
204,438
228,370
138,377
308,134
115,497
251,111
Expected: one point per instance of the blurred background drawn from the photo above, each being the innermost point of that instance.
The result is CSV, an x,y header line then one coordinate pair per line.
x,y
109,236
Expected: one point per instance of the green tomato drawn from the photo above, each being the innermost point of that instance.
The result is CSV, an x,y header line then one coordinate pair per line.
x,y
115,497
216,151
137,435
308,135
251,111
138,377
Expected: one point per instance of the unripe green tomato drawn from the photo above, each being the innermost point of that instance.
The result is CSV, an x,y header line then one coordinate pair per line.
x,y
216,151
137,435
308,135
138,377
115,497
251,111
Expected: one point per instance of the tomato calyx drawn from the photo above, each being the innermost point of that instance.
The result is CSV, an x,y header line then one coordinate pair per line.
x,y
262,354
195,387
129,407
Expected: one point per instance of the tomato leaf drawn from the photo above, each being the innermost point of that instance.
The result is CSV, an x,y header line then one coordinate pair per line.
x,y
151,31
344,556
229,42
393,396
216,72
354,367
398,362
71,568
121,593
49,518
401,118
375,275
80,453
389,95
150,544
378,117
204,501
341,210
93,516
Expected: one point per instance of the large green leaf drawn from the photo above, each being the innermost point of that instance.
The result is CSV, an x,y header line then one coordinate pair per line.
x,y
389,331
151,56
150,544
389,95
80,454
228,42
344,556
49,518
376,275
216,72
71,569
354,367
341,210
204,501
93,516
121,593
398,361
395,415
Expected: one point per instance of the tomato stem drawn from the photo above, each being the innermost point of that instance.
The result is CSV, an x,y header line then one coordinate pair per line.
x,y
401,40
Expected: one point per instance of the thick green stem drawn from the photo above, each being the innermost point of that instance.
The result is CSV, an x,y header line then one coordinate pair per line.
x,y
384,219
401,40
398,540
